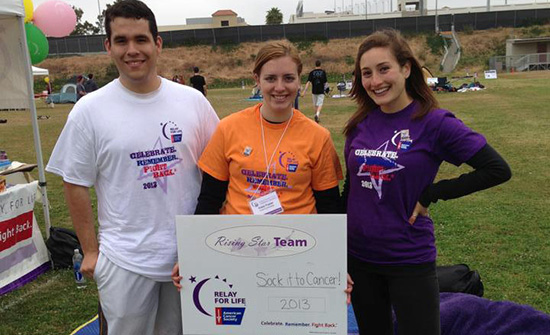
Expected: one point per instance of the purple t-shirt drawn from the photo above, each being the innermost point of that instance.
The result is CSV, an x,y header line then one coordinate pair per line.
x,y
391,159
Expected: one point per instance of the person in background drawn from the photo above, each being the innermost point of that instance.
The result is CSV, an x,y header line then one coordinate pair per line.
x,y
395,143
318,79
198,82
137,141
80,89
270,150
178,79
90,84
297,100
49,90
47,80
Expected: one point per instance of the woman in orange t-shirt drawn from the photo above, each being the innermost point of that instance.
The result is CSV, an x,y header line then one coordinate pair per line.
x,y
271,151
270,158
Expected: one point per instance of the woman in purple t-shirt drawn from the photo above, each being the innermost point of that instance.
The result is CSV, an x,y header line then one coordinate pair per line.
x,y
395,143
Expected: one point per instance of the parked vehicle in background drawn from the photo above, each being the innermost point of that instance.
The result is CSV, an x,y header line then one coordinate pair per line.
x,y
67,95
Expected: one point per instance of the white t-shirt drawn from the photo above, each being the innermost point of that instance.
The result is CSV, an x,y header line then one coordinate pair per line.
x,y
140,151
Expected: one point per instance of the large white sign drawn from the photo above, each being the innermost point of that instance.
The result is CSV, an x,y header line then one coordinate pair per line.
x,y
23,255
279,274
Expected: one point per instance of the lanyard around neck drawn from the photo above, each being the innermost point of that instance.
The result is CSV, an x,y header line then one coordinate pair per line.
x,y
268,164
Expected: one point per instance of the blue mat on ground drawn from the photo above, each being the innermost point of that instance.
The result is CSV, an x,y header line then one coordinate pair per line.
x,y
89,328
460,314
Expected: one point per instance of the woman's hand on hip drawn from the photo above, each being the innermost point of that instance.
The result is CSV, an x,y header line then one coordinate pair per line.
x,y
418,210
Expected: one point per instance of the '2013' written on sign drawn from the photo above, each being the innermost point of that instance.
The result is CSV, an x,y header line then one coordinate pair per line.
x,y
297,304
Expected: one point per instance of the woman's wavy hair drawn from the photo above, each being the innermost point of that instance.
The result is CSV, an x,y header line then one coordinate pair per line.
x,y
415,85
275,50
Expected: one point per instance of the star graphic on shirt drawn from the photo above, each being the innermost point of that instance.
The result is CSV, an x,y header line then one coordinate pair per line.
x,y
193,279
376,179
161,181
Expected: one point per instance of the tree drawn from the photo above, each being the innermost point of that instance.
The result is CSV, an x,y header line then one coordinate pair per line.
x,y
274,16
83,28
99,24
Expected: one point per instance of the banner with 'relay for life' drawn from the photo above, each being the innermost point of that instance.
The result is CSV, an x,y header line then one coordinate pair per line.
x,y
23,254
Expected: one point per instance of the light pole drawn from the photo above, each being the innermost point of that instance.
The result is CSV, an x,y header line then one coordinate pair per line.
x,y
366,10
98,16
436,19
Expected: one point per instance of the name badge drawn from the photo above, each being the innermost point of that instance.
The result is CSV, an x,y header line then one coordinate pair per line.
x,y
268,204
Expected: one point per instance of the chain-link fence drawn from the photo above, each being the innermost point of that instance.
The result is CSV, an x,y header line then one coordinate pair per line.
x,y
316,31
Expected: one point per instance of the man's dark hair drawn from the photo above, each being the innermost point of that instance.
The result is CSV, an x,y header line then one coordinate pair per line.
x,y
130,9
196,69
90,76
317,63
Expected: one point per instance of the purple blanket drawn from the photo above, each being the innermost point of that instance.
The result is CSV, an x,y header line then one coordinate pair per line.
x,y
472,315
466,314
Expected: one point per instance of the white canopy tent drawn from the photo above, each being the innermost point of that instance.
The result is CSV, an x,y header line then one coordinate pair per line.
x,y
36,71
16,80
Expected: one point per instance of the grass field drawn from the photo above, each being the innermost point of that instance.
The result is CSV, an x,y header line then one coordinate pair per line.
x,y
502,232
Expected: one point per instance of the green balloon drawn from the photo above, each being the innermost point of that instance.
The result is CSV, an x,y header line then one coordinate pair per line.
x,y
37,43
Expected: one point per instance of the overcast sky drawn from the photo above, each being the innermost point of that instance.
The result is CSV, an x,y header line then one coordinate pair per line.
x,y
174,12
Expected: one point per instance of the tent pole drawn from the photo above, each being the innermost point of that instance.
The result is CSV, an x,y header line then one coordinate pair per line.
x,y
36,133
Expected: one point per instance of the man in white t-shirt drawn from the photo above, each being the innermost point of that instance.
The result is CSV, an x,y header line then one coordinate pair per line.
x,y
136,141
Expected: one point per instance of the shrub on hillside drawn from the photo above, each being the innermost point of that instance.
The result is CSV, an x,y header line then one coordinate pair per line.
x,y
303,45
468,29
534,31
226,46
191,42
534,22
435,43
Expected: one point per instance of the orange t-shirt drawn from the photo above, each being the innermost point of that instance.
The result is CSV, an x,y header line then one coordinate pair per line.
x,y
305,161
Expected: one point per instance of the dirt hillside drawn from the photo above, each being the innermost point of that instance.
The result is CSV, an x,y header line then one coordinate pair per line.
x,y
231,63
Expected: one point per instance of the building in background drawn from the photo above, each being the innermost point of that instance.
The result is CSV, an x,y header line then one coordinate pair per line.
x,y
384,9
527,54
221,18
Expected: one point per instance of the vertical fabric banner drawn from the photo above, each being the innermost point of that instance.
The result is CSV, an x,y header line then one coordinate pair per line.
x,y
13,72
23,254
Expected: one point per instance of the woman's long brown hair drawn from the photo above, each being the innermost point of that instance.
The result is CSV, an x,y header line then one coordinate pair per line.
x,y
415,85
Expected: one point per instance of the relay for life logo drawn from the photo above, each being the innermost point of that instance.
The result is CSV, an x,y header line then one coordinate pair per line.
x,y
216,297
171,132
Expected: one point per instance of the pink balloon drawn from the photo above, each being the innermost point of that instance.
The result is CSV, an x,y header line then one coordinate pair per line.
x,y
55,18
